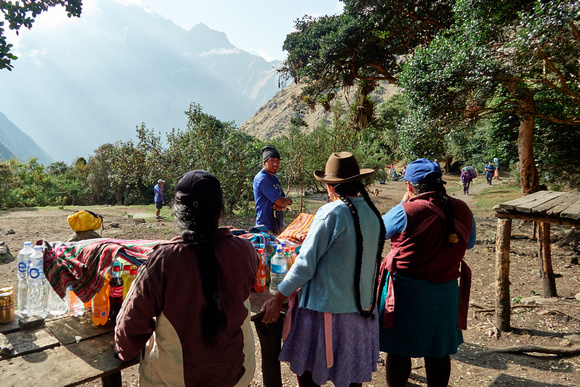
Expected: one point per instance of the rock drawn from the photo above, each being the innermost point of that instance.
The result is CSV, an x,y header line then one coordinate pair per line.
x,y
5,347
578,296
83,235
537,300
114,225
10,232
139,220
574,261
5,256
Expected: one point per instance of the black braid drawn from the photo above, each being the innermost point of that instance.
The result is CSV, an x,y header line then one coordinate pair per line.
x,y
447,207
342,190
199,227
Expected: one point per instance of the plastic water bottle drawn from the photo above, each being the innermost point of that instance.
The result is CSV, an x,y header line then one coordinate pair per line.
x,y
260,284
100,304
22,275
56,306
130,279
125,276
278,268
288,256
115,294
76,307
38,286
293,253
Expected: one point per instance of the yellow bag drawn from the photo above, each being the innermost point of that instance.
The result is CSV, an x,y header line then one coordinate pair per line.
x,y
84,221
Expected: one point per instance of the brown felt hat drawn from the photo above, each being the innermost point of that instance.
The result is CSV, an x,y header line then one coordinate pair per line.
x,y
342,167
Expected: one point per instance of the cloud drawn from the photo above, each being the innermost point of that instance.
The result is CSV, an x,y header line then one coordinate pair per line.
x,y
221,51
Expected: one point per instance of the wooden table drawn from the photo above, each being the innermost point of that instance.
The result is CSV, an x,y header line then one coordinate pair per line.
x,y
545,208
51,355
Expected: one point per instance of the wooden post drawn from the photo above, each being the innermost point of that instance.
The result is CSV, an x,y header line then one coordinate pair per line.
x,y
545,256
502,273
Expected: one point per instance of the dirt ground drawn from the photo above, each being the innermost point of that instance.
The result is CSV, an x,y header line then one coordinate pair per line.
x,y
551,323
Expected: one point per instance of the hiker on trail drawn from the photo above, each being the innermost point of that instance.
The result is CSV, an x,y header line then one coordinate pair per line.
x,y
489,170
336,274
188,309
159,201
269,198
422,309
467,174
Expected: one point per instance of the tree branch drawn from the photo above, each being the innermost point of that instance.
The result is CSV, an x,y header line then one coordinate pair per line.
x,y
563,82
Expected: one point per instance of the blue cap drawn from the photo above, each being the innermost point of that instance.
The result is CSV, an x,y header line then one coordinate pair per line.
x,y
423,171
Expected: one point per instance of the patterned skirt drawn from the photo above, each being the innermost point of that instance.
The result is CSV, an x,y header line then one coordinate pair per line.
x,y
354,344
425,319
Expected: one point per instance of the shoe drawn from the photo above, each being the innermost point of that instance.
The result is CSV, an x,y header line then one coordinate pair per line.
x,y
159,217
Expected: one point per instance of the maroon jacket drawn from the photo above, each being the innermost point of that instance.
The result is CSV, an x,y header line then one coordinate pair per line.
x,y
162,313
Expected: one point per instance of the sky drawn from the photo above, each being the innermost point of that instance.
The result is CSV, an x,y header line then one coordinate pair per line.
x,y
256,26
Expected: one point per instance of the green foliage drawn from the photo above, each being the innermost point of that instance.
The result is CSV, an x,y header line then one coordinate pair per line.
x,y
515,59
359,47
22,14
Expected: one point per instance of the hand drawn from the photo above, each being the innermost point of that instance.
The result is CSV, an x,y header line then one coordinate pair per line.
x,y
406,197
277,207
271,308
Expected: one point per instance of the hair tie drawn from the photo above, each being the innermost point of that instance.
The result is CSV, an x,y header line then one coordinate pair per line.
x,y
452,238
194,204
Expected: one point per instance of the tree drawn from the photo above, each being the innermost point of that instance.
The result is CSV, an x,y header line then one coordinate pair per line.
x,y
20,14
518,57
361,46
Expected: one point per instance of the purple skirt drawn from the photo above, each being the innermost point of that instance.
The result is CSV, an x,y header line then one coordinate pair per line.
x,y
355,345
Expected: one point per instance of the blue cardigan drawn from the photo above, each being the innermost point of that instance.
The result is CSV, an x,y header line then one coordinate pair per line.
x,y
325,267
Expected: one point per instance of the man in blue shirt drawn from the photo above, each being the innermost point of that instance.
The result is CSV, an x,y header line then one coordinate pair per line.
x,y
268,194
158,190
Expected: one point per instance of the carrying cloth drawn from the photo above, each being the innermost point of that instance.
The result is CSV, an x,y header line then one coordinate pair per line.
x,y
387,265
85,220
297,230
84,264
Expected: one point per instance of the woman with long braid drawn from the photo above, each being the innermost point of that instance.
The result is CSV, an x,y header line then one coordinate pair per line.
x,y
188,306
333,333
422,308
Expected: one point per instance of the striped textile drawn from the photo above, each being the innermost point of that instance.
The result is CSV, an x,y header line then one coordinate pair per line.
x,y
83,265
297,230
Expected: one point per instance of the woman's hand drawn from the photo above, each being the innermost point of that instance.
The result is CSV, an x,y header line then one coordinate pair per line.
x,y
272,307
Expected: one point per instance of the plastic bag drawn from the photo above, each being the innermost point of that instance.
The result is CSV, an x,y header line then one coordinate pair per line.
x,y
84,221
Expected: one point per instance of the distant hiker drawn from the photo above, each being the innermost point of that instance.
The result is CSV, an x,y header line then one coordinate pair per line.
x,y
268,194
422,308
159,202
489,170
467,174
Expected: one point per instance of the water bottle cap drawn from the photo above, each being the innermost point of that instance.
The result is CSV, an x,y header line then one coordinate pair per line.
x,y
279,248
37,247
127,267
116,267
260,251
133,271
27,243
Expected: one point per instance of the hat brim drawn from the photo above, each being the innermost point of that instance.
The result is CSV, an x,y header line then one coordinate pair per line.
x,y
365,172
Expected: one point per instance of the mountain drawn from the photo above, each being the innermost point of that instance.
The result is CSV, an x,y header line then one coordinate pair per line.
x,y
273,118
93,80
15,144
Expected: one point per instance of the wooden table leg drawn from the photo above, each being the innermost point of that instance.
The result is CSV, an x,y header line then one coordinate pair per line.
x,y
502,273
112,380
545,255
270,336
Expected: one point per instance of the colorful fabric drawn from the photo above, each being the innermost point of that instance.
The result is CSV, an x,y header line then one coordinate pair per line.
x,y
354,347
297,230
424,320
84,264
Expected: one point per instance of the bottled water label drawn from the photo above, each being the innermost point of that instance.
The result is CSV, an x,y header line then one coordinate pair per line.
x,y
22,268
34,273
278,269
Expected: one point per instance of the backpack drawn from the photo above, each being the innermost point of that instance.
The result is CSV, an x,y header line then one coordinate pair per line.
x,y
85,220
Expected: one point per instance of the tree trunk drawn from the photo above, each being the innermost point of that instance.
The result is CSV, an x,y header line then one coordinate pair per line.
x,y
528,171
448,161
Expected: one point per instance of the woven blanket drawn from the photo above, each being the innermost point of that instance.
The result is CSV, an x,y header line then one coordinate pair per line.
x,y
83,265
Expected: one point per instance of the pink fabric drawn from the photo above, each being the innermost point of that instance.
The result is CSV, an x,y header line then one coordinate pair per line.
x,y
288,319
328,339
